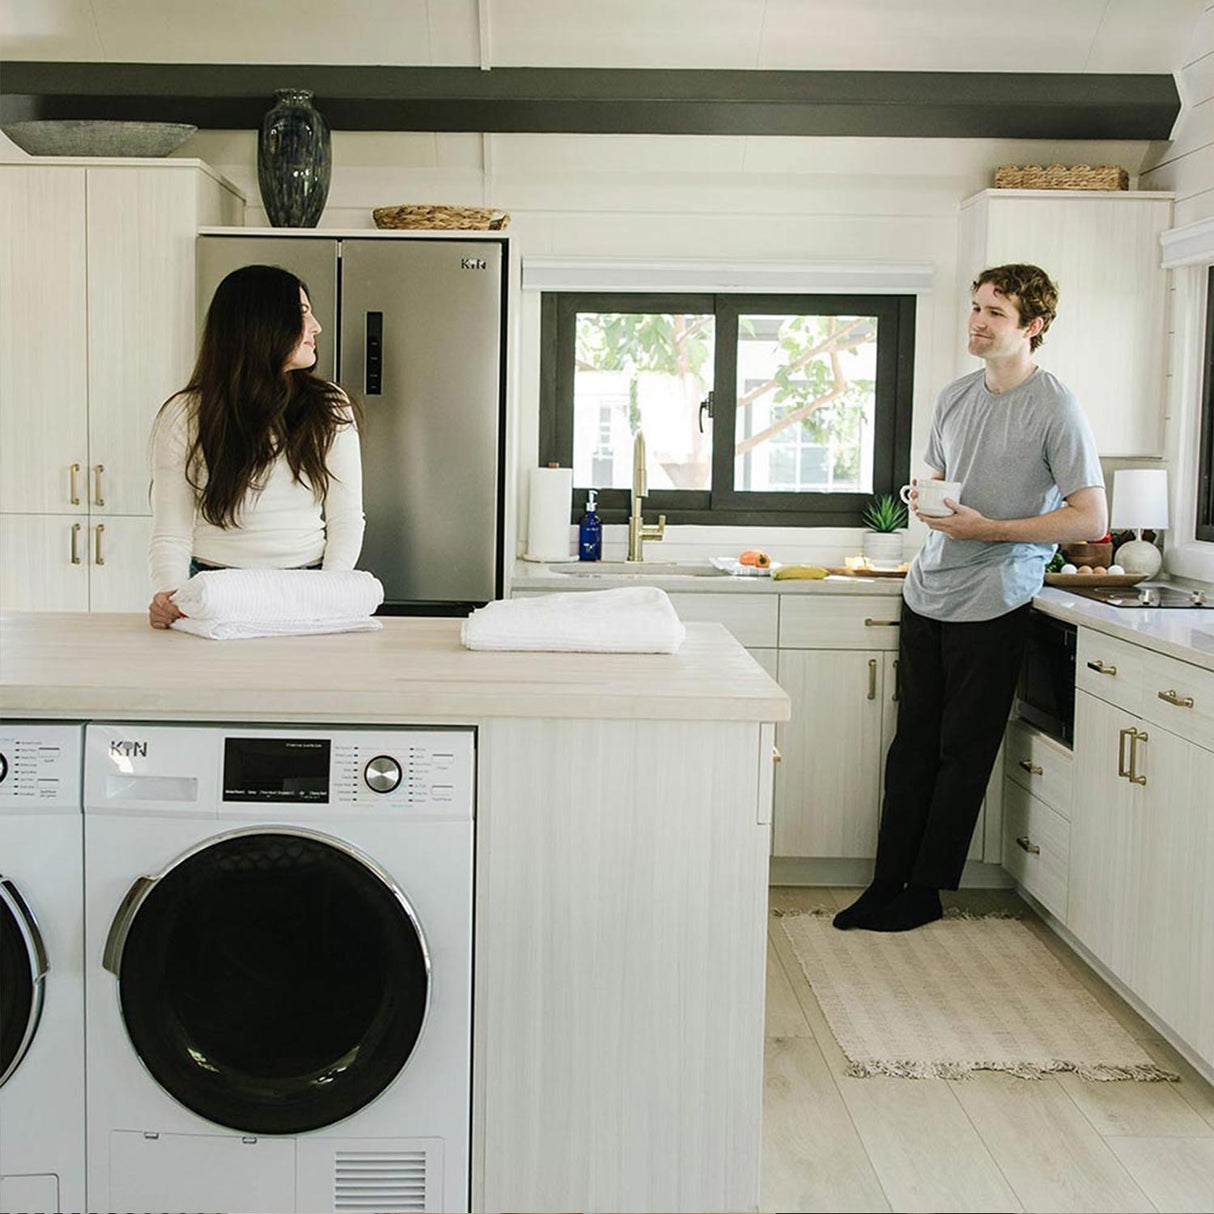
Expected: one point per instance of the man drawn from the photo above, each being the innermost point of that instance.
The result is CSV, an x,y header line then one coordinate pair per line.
x,y
1021,446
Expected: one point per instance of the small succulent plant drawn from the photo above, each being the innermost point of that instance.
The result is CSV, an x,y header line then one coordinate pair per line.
x,y
885,513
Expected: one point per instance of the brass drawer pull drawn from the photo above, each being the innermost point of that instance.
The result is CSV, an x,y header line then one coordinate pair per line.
x,y
872,678
1122,769
75,541
1031,848
1100,668
1031,768
72,492
776,756
1173,697
98,559
869,622
98,469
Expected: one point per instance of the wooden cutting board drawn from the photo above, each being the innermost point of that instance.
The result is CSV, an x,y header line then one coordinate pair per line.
x,y
844,571
1093,579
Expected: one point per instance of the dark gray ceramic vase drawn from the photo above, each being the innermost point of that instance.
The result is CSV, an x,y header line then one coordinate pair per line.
x,y
293,160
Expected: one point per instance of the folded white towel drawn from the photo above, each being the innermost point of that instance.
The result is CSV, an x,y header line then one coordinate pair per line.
x,y
230,604
632,619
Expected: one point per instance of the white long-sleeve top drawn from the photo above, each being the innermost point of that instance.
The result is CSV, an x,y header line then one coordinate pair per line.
x,y
281,526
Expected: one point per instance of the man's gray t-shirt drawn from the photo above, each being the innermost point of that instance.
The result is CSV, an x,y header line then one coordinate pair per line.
x,y
1018,454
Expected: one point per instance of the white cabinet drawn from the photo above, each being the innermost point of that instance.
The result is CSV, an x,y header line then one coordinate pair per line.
x,y
97,291
1108,343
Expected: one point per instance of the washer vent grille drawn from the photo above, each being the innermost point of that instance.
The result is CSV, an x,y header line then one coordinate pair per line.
x,y
379,1181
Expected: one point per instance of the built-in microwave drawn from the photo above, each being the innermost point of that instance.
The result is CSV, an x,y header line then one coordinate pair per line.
x,y
1045,695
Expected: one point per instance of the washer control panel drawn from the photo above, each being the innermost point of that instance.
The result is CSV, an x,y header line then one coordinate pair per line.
x,y
422,769
40,766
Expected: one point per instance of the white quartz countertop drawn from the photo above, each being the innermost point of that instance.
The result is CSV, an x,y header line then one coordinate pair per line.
x,y
83,665
1186,633
549,577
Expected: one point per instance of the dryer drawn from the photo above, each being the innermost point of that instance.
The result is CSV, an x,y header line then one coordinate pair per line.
x,y
41,968
278,967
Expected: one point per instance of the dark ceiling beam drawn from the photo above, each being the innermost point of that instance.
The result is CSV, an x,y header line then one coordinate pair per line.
x,y
962,105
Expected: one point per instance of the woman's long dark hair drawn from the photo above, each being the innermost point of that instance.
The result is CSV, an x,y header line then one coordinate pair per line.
x,y
248,409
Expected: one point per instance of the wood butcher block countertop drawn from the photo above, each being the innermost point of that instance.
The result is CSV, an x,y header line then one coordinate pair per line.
x,y
94,666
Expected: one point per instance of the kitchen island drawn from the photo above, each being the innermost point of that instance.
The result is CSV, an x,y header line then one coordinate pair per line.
x,y
623,830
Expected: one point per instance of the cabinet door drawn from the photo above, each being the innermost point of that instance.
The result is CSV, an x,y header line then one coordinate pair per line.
x,y
118,563
43,341
1103,895
1108,341
828,785
1174,955
37,570
141,230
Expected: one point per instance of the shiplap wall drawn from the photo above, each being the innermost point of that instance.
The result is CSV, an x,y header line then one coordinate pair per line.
x,y
1186,165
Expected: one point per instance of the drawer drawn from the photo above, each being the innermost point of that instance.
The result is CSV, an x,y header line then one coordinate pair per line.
x,y
1036,847
1110,669
750,617
1179,697
839,621
1039,765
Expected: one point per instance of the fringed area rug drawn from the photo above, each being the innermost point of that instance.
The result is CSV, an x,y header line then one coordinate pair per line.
x,y
967,993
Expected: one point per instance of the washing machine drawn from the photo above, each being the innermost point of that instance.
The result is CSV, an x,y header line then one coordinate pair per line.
x,y
41,968
278,928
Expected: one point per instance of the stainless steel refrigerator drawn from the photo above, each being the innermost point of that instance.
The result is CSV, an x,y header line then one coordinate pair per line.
x,y
415,329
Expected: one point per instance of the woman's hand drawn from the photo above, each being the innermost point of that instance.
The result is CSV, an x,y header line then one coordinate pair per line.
x,y
162,611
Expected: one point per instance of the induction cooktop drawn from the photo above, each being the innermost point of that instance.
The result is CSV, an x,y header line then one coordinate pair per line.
x,y
1144,595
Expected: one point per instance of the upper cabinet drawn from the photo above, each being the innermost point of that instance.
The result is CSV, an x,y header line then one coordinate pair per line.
x,y
1108,342
97,290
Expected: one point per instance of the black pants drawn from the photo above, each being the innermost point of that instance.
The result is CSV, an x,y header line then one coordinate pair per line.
x,y
955,687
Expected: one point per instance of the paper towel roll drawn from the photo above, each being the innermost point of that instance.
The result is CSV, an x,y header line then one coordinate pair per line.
x,y
548,517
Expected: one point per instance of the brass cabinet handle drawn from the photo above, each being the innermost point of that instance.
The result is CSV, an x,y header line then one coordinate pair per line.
x,y
1173,697
894,693
776,756
1122,769
75,541
1031,848
872,678
1031,768
72,492
1100,668
869,622
98,559
1136,736
98,500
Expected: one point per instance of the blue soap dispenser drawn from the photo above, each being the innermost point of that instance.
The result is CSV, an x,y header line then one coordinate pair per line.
x,y
590,531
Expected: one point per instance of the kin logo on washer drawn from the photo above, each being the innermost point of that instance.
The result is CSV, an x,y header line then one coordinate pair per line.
x,y
129,750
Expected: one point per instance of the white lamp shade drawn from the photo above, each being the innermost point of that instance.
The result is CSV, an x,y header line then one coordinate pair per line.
x,y
1140,498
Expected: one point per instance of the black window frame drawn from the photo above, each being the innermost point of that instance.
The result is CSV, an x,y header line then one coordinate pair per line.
x,y
722,504
1205,468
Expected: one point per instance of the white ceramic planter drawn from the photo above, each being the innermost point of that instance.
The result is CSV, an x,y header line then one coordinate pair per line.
x,y
883,546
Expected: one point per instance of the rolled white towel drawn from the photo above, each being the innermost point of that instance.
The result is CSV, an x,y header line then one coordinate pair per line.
x,y
229,604
632,619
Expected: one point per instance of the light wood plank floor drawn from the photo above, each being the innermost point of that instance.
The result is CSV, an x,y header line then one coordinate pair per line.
x,y
992,1142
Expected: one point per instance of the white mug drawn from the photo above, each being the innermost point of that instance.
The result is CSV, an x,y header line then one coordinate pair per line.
x,y
931,496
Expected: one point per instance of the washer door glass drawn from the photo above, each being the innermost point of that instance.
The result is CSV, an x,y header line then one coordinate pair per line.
x,y
20,980
274,982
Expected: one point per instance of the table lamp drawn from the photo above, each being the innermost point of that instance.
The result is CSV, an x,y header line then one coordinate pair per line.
x,y
1140,499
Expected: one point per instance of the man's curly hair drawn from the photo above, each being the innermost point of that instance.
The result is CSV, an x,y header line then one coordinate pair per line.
x,y
1035,295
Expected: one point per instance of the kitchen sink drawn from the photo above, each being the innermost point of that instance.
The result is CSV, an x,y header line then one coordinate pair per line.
x,y
629,569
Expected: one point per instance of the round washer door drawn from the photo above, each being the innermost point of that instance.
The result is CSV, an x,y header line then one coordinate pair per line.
x,y
273,982
22,978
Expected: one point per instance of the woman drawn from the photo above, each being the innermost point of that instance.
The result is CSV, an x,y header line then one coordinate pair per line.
x,y
255,462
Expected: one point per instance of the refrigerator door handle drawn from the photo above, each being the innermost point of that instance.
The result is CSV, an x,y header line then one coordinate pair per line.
x,y
374,375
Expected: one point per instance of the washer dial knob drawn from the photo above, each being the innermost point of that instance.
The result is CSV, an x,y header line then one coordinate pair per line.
x,y
382,774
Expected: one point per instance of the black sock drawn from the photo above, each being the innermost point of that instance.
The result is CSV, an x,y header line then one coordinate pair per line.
x,y
913,907
878,894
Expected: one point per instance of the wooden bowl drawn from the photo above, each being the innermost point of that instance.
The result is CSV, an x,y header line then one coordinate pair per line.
x,y
1086,553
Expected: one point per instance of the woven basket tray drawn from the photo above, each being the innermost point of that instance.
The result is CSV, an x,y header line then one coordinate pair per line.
x,y
1061,177
441,218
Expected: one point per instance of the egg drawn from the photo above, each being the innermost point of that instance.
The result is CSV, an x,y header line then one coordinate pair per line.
x,y
1084,569
1068,568
1099,570
1116,569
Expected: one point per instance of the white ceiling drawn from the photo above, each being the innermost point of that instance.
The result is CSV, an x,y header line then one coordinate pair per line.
x,y
834,35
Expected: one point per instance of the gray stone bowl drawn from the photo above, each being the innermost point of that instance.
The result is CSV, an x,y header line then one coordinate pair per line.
x,y
86,137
